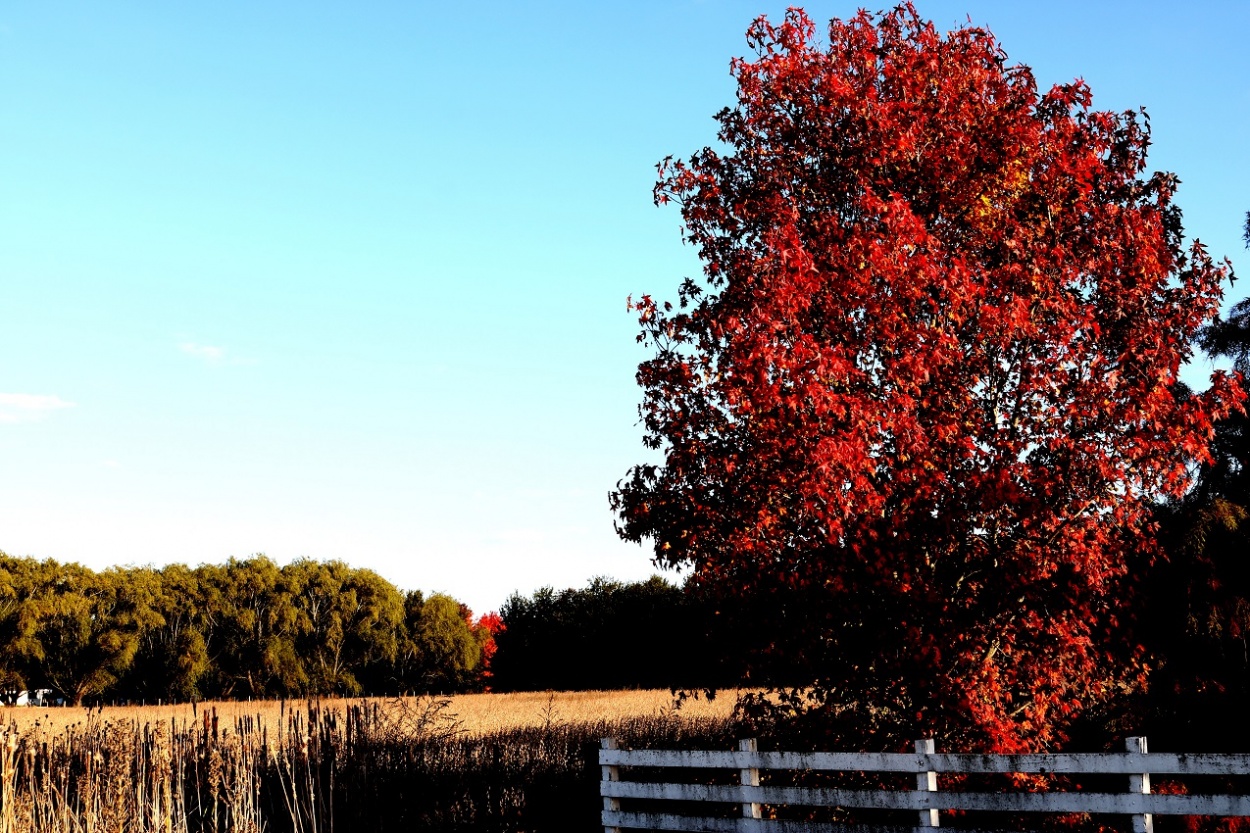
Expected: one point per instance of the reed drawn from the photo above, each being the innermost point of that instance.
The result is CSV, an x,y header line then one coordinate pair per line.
x,y
415,764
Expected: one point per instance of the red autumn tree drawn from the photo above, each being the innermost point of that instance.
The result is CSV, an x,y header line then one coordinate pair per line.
x,y
486,629
919,404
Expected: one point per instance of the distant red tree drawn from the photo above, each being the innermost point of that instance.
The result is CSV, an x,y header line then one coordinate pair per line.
x,y
487,627
922,398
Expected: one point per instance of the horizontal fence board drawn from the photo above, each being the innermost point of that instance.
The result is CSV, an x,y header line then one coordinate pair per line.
x,y
1107,763
699,824
840,761
1055,802
662,821
750,796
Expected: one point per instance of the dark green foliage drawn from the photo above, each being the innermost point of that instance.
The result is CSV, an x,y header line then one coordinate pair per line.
x,y
1195,614
1227,476
1196,622
612,635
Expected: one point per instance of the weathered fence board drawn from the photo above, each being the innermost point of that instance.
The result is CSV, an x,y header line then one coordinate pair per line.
x,y
609,775
1106,763
662,821
927,799
1054,802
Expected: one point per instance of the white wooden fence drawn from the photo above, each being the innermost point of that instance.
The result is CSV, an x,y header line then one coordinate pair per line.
x,y
927,800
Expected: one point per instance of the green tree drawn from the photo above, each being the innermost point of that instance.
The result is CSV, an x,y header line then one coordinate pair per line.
x,y
172,660
27,590
253,646
446,650
91,629
350,622
244,629
404,672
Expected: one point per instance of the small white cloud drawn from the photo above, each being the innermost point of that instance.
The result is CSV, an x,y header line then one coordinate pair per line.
x,y
111,464
27,407
207,352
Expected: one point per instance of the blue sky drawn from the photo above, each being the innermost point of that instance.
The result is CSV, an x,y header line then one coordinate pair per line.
x,y
335,282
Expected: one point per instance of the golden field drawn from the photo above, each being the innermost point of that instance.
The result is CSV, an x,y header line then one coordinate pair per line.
x,y
473,713
483,763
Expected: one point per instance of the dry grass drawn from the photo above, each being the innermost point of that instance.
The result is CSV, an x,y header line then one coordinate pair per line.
x,y
497,712
475,713
481,763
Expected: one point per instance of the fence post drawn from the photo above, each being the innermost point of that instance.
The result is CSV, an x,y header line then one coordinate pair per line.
x,y
927,782
610,773
1140,784
749,777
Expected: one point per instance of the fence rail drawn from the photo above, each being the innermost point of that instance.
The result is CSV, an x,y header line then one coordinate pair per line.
x,y
927,799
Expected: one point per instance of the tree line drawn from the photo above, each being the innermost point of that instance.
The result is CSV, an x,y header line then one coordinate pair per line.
x,y
611,635
248,628
647,634
252,629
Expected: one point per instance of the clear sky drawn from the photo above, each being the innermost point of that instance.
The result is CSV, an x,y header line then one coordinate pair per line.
x,y
348,280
